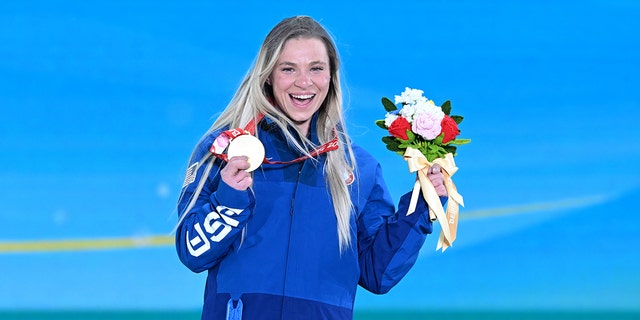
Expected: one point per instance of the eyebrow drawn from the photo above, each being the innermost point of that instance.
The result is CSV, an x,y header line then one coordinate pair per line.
x,y
287,63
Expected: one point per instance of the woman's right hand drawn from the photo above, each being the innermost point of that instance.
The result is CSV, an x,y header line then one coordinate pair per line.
x,y
235,175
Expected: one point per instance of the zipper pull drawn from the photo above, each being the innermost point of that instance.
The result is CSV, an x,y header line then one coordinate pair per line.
x,y
234,312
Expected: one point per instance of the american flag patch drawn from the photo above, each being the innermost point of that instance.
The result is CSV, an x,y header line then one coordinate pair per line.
x,y
190,176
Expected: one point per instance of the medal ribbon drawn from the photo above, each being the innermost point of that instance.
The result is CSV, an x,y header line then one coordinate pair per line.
x,y
223,140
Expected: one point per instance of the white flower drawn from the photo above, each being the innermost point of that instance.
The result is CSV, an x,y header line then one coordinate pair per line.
x,y
408,111
410,96
428,106
389,118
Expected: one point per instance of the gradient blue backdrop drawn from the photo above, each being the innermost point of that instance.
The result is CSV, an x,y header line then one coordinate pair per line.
x,y
102,102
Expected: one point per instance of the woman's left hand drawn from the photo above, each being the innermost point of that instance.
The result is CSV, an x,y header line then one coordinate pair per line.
x,y
435,175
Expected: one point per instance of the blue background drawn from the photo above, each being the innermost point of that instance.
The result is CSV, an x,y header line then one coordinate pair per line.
x,y
101,104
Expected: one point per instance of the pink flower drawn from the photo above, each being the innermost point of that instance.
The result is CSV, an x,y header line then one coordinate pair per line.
x,y
427,124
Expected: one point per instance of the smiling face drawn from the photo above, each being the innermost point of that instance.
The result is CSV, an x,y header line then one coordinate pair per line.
x,y
301,80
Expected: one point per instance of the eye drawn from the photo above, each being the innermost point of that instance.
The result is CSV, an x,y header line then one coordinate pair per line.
x,y
287,69
317,69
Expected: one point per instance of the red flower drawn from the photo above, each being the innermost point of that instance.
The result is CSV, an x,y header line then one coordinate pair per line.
x,y
449,128
399,127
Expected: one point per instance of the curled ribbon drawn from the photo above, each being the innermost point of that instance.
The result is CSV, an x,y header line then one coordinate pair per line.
x,y
449,220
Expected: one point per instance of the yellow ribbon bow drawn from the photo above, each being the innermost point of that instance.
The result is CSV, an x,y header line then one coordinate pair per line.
x,y
449,220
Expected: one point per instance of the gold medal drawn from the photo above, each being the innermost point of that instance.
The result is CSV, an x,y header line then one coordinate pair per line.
x,y
249,146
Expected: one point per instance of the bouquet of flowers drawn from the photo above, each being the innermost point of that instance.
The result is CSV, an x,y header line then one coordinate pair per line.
x,y
425,134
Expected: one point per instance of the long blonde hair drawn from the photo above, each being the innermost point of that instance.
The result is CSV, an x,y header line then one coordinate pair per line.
x,y
254,95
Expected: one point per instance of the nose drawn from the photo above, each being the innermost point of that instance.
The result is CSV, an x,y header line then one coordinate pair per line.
x,y
303,80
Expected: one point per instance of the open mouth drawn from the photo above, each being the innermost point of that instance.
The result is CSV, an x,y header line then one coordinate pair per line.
x,y
302,98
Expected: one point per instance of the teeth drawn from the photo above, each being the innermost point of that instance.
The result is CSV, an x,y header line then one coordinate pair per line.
x,y
303,97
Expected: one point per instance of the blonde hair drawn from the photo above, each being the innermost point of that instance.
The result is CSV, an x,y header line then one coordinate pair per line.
x,y
254,95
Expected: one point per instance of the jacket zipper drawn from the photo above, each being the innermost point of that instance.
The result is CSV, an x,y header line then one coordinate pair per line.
x,y
286,263
295,190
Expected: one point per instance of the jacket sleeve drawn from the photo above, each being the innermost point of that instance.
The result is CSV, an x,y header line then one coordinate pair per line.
x,y
389,241
211,227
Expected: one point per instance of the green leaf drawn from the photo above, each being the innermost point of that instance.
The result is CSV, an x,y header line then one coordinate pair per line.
x,y
446,107
460,141
450,149
457,119
410,136
393,148
431,156
380,123
389,139
423,149
391,142
438,139
388,105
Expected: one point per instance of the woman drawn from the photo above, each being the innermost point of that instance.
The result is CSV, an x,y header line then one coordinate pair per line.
x,y
294,238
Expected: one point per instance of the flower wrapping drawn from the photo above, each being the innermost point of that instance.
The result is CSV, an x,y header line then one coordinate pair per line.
x,y
426,134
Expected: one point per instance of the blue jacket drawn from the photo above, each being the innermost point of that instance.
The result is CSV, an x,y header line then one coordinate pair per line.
x,y
273,251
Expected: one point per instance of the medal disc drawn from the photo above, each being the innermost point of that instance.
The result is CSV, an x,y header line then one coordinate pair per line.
x,y
249,146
